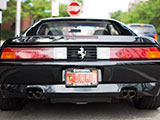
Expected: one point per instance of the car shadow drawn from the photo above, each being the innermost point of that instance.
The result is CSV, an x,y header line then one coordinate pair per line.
x,y
123,110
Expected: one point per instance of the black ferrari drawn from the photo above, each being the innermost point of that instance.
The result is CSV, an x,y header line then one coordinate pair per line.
x,y
79,61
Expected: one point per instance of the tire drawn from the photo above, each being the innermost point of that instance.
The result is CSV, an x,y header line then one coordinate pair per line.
x,y
11,103
147,102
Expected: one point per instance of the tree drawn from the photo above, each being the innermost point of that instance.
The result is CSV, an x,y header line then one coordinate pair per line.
x,y
118,15
9,15
63,10
80,1
145,12
38,7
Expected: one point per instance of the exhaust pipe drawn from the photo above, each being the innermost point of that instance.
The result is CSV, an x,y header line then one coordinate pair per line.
x,y
34,93
38,94
132,93
124,93
30,95
128,93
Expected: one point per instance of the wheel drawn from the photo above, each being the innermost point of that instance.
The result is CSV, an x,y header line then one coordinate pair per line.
x,y
147,102
11,103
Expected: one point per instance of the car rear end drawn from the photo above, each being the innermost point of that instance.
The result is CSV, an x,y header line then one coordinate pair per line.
x,y
80,69
145,30
57,72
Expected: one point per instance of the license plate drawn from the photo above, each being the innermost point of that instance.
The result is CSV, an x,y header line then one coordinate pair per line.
x,y
81,77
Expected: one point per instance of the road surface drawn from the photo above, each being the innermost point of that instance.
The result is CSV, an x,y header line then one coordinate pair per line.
x,y
98,111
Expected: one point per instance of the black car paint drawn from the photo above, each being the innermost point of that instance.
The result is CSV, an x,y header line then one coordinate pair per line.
x,y
21,73
32,72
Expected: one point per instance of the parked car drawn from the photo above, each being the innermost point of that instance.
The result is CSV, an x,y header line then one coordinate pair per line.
x,y
145,30
79,60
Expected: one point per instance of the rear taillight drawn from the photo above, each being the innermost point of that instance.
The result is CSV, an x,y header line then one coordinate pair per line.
x,y
156,36
128,53
134,53
34,53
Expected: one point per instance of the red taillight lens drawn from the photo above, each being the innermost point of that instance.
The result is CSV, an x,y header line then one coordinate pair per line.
x,y
156,36
27,53
128,53
134,53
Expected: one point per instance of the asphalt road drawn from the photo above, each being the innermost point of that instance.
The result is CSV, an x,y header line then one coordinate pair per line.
x,y
98,111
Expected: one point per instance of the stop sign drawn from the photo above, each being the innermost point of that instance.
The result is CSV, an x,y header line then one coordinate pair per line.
x,y
74,8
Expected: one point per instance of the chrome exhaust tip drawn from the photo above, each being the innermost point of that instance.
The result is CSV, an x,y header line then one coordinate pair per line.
x,y
132,93
124,93
38,94
34,92
30,95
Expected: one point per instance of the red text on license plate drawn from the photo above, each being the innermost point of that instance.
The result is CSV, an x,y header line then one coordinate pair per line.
x,y
81,78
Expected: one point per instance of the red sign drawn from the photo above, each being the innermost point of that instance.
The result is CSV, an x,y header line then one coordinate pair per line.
x,y
74,8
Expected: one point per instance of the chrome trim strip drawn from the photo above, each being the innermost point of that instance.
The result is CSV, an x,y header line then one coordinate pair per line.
x,y
101,88
82,63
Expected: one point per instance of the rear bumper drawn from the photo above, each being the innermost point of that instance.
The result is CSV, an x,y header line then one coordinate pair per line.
x,y
62,92
15,77
51,72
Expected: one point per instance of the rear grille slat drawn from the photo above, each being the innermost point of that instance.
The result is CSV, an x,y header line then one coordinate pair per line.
x,y
72,53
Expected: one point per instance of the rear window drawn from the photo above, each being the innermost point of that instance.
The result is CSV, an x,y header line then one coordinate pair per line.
x,y
77,28
143,29
80,28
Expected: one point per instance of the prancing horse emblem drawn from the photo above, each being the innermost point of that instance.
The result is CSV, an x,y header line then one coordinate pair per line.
x,y
82,53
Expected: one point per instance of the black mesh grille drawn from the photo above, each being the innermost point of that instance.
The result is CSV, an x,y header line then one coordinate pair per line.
x,y
72,53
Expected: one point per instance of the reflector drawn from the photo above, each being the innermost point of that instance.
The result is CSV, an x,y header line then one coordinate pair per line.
x,y
8,55
103,53
60,53
156,36
153,54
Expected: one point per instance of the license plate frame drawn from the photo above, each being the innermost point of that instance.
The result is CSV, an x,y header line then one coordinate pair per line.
x,y
81,77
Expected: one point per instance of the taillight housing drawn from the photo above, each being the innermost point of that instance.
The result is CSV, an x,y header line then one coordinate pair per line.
x,y
34,53
156,37
128,53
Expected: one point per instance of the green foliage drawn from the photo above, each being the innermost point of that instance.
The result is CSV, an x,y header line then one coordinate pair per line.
x,y
80,1
9,15
38,7
145,12
117,15
6,34
63,10
25,7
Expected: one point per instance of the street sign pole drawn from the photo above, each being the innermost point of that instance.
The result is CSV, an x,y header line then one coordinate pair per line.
x,y
3,6
51,9
18,18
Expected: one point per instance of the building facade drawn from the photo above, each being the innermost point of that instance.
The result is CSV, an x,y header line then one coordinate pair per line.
x,y
25,23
